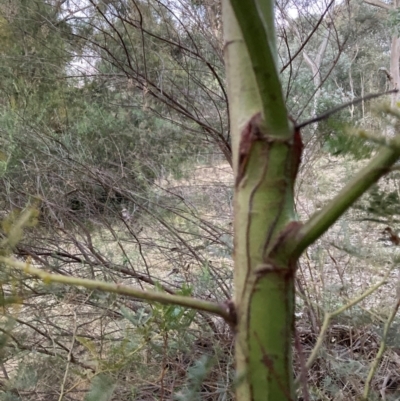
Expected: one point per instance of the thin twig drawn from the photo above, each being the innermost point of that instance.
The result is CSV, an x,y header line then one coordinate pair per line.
x,y
379,355
328,317
328,113
69,358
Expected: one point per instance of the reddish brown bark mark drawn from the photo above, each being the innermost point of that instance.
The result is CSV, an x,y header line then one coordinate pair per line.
x,y
229,305
287,233
251,133
297,152
268,362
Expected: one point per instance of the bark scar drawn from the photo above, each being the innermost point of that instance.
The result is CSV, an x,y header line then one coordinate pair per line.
x,y
297,154
269,266
230,307
251,133
289,232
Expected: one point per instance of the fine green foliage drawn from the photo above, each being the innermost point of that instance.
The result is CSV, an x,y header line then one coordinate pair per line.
x,y
101,390
334,137
196,375
382,205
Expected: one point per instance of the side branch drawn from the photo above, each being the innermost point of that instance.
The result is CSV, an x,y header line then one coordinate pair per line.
x,y
322,220
150,296
378,3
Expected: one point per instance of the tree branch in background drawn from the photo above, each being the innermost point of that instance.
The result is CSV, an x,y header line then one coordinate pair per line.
x,y
378,3
308,38
148,295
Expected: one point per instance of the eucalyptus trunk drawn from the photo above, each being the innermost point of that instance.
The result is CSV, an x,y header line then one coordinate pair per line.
x,y
265,157
394,74
266,151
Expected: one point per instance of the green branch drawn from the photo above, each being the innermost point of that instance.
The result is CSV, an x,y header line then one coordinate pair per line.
x,y
150,296
257,26
324,219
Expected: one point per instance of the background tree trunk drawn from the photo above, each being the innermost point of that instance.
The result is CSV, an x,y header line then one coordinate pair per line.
x,y
394,72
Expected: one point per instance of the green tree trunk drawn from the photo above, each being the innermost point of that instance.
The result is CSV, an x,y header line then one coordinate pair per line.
x,y
265,162
268,240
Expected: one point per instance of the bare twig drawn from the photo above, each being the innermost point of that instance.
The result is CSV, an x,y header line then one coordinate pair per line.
x,y
328,113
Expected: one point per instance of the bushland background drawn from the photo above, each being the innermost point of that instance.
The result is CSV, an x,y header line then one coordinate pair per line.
x,y
114,131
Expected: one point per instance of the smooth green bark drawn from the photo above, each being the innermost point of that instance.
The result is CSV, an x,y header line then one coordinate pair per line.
x,y
263,207
257,28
